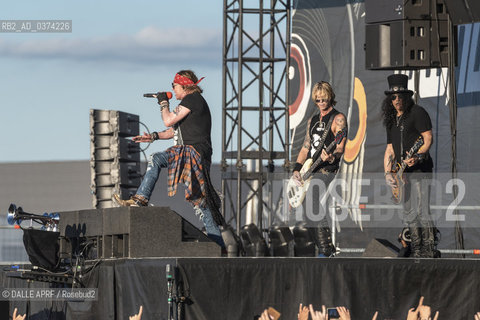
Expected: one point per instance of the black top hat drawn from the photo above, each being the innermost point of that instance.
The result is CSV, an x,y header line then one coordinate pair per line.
x,y
398,83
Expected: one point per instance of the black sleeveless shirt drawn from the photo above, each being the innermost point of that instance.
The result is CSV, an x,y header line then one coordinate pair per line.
x,y
316,130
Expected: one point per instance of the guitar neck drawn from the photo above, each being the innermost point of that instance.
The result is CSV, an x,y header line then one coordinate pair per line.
x,y
410,153
308,173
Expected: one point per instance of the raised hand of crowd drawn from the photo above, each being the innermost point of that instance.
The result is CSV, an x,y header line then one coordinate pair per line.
x,y
422,312
137,316
17,317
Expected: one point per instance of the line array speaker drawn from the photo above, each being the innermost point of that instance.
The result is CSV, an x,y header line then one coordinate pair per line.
x,y
407,44
406,35
391,10
463,12
114,159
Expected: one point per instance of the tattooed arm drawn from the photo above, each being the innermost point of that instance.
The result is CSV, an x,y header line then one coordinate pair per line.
x,y
388,165
388,158
339,123
162,135
171,118
166,134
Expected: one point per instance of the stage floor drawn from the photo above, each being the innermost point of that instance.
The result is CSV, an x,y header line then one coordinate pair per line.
x,y
240,288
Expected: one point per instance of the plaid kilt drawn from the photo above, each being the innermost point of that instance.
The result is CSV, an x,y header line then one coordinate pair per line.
x,y
185,166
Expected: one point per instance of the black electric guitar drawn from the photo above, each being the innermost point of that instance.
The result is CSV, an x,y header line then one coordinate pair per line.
x,y
398,188
296,193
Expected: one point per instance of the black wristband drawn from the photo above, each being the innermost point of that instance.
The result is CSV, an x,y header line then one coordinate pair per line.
x,y
155,135
164,104
297,166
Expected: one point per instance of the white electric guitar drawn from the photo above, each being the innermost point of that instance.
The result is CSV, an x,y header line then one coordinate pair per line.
x,y
296,194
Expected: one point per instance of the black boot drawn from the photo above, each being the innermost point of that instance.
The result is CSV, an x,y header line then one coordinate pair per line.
x,y
416,243
324,241
428,243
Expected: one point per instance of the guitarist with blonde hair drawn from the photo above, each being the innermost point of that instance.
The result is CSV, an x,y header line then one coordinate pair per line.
x,y
322,130
407,162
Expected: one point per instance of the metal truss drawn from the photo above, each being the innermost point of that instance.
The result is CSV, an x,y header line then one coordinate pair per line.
x,y
255,129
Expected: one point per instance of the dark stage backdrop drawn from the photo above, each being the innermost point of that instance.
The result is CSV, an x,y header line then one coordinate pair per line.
x,y
328,39
238,289
123,286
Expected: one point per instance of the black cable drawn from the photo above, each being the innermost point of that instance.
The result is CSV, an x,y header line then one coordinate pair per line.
x,y
48,271
149,143
459,241
143,150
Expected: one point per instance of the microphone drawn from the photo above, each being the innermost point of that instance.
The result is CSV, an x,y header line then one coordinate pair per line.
x,y
152,95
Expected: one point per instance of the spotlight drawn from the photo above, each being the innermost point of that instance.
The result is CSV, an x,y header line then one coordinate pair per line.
x,y
304,241
281,241
253,241
232,242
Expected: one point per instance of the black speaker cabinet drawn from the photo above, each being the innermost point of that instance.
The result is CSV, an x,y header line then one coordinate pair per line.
x,y
378,248
462,12
133,232
406,44
390,10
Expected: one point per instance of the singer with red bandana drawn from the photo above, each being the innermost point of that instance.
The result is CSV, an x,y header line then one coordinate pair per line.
x,y
188,161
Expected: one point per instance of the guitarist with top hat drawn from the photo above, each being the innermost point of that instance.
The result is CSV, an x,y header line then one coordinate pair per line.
x,y
407,162
322,130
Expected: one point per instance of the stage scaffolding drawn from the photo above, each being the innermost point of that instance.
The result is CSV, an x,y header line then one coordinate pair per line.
x,y
255,129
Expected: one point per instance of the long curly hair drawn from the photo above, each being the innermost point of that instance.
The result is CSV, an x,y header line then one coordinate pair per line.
x,y
389,112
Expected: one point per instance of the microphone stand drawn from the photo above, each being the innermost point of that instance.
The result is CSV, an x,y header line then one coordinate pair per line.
x,y
175,295
170,280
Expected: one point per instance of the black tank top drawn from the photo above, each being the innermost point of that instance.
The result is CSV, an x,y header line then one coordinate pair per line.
x,y
316,130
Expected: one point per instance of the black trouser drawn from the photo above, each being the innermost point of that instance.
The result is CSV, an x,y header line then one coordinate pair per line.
x,y
323,234
417,215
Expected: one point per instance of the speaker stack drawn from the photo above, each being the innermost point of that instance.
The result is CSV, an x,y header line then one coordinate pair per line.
x,y
132,232
463,12
406,35
114,159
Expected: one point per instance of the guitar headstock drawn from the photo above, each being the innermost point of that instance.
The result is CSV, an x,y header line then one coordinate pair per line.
x,y
416,146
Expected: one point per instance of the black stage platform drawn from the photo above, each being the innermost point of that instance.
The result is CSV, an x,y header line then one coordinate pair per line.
x,y
240,288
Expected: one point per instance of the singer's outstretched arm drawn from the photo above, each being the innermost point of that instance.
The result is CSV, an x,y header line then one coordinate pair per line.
x,y
162,135
171,118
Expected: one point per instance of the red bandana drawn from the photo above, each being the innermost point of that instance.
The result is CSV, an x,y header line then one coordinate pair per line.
x,y
184,81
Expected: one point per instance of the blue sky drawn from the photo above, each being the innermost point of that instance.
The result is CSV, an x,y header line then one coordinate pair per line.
x,y
116,52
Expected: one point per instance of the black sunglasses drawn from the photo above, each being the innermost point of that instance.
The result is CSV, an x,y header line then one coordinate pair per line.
x,y
395,96
321,100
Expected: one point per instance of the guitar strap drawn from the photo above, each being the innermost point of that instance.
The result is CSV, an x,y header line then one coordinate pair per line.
x,y
401,138
324,136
